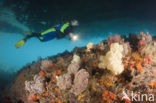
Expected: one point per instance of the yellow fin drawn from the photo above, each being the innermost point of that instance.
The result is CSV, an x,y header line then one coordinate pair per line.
x,y
19,44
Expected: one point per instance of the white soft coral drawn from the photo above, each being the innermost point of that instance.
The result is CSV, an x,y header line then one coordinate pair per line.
x,y
113,59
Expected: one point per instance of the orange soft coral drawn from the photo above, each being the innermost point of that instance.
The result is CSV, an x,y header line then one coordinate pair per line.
x,y
34,97
127,101
139,68
58,72
135,61
152,84
104,82
136,56
108,96
41,73
56,100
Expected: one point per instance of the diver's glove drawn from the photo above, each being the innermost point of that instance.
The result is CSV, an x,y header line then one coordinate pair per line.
x,y
20,43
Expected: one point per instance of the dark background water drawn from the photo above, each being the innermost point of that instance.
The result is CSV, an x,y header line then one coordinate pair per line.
x,y
86,11
97,18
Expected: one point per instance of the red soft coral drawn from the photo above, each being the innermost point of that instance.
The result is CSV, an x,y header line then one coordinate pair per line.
x,y
109,96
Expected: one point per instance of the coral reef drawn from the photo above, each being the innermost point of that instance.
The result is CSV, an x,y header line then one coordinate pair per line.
x,y
142,81
113,59
102,73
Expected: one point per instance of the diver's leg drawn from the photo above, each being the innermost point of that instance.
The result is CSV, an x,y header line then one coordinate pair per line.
x,y
22,42
32,35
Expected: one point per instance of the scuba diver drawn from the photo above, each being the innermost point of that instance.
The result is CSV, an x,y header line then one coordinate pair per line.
x,y
58,32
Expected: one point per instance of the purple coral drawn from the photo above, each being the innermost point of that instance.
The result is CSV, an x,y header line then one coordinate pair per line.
x,y
64,81
80,82
73,67
36,86
114,39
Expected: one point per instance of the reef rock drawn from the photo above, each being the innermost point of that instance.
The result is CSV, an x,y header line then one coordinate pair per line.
x,y
61,79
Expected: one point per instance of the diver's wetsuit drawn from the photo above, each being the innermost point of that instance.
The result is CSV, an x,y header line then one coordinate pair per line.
x,y
58,32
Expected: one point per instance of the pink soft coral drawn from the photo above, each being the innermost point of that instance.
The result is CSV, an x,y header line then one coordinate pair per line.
x,y
141,44
143,39
145,36
147,60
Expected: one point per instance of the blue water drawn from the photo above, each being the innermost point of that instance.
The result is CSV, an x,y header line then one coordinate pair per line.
x,y
10,57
